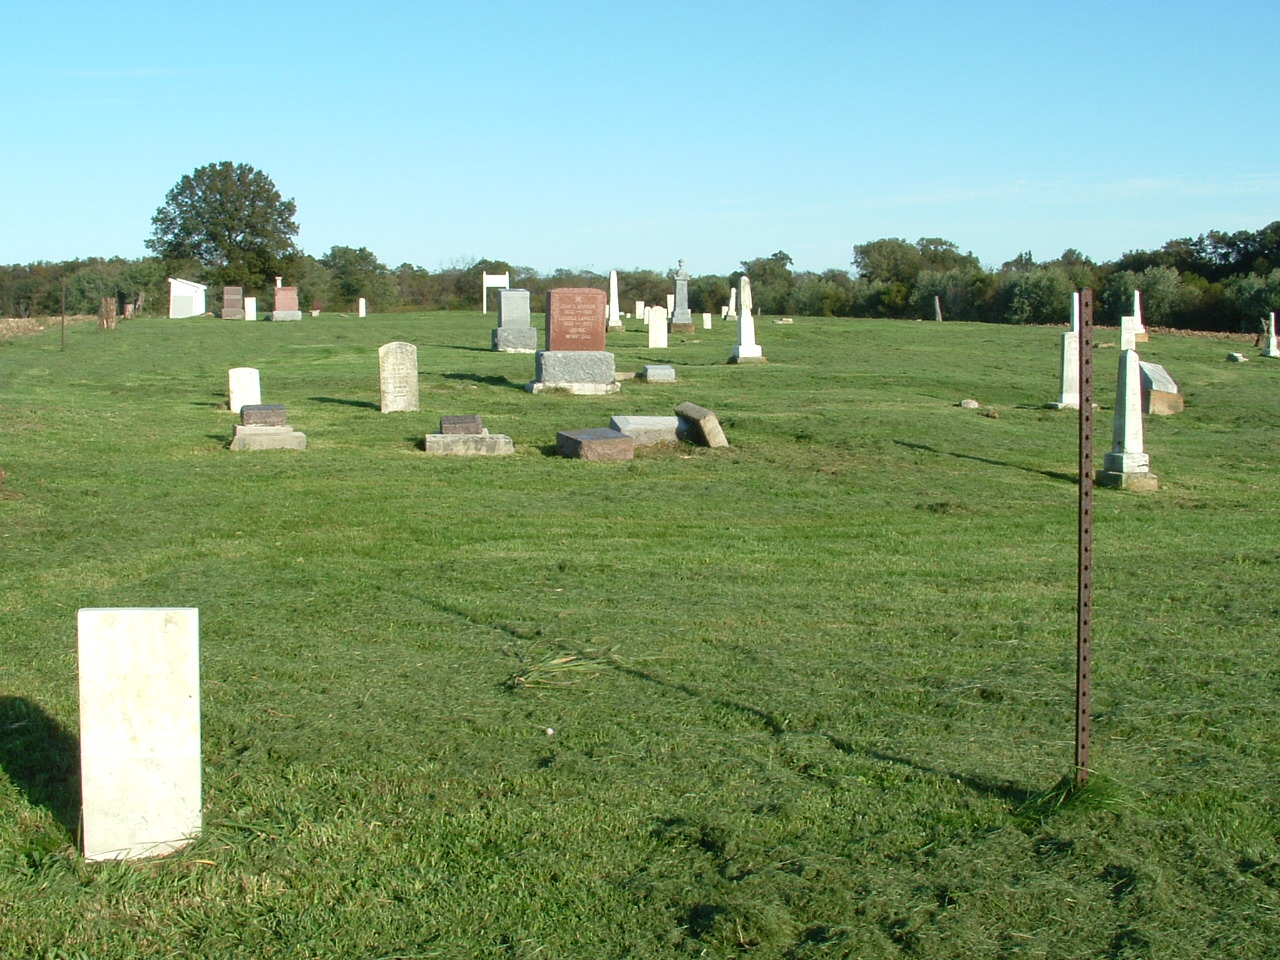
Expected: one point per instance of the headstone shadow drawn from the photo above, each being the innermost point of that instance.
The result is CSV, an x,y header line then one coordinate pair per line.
x,y
493,381
1007,792
368,404
42,759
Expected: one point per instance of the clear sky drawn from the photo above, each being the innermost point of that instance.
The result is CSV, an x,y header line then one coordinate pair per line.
x,y
586,134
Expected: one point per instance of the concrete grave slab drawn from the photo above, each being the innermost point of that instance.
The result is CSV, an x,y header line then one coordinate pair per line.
x,y
598,443
659,373
646,431
468,444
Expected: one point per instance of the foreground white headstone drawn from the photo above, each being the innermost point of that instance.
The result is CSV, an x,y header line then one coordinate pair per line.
x,y
139,731
244,387
746,349
1127,465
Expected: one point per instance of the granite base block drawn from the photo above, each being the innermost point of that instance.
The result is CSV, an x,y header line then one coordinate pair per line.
x,y
232,314
515,339
660,373
598,443
286,315
1162,403
583,372
267,438
468,444
1140,481
263,415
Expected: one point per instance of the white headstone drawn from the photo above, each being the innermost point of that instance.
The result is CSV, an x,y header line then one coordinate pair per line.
x,y
1069,393
733,303
360,307
244,387
1128,333
398,376
671,303
615,309
657,328
1075,311
1269,347
1127,455
1156,377
648,315
639,309
139,731
706,321
746,348
1137,311
251,308
724,312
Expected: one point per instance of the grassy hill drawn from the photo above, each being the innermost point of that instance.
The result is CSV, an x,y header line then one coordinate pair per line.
x,y
806,697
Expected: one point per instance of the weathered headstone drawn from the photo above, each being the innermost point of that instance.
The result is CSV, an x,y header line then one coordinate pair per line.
x,y
1128,333
575,359
615,312
1127,464
468,423
746,350
1069,375
1269,346
598,443
701,425
1159,391
706,321
732,310
640,313
1140,331
465,435
286,305
264,426
233,303
263,415
681,318
140,757
671,304
657,328
515,332
398,376
244,386
107,313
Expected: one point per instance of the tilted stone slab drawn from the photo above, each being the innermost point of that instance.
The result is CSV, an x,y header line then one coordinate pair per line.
x,y
263,414
267,438
468,444
646,431
598,443
704,426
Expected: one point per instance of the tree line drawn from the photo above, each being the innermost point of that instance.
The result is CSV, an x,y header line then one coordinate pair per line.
x,y
227,224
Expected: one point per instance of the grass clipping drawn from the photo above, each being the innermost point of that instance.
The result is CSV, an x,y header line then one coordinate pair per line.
x,y
560,669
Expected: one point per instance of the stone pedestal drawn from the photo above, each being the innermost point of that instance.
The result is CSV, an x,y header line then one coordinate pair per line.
x,y
260,437
468,444
583,372
516,339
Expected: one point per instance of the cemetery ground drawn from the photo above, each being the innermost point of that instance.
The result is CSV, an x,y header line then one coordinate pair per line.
x,y
808,696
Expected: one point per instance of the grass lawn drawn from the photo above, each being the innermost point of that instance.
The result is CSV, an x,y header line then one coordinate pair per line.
x,y
806,697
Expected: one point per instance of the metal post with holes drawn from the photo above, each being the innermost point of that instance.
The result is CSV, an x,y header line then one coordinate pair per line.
x,y
64,313
1084,589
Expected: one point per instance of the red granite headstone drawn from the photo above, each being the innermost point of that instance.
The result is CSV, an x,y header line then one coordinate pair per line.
x,y
576,318
286,298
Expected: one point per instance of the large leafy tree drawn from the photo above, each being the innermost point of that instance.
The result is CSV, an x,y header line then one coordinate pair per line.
x,y
231,219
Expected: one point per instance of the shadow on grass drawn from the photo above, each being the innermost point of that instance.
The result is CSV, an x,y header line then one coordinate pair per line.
x,y
42,759
493,381
1070,478
1010,793
367,404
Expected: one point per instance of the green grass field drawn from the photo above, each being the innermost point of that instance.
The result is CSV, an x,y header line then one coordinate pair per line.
x,y
806,697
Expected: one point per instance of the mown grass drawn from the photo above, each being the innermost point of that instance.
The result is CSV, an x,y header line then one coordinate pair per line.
x,y
807,697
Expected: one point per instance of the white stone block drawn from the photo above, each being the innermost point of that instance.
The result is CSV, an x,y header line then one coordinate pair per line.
x,y
657,328
361,307
251,308
139,731
244,387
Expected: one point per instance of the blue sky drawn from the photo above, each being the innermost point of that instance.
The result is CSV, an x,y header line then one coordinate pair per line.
x,y
596,135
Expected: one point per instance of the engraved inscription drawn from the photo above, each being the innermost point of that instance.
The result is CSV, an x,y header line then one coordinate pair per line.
x,y
576,318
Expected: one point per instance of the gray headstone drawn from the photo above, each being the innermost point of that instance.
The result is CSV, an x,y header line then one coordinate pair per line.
x,y
578,371
704,426
513,308
466,423
263,414
468,444
398,376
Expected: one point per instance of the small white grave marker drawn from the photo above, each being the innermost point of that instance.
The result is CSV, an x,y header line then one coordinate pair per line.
x,y
360,307
139,731
244,387
251,308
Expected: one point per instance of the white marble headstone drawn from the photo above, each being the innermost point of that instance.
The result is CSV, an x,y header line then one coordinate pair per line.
x,y
746,348
244,386
360,307
657,328
251,308
398,376
139,731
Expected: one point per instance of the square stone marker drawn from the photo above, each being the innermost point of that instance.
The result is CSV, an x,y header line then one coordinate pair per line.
x,y
660,373
244,387
263,414
576,319
648,430
139,731
704,426
598,443
466,424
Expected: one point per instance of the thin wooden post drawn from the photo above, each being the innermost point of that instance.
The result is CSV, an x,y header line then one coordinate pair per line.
x,y
1084,591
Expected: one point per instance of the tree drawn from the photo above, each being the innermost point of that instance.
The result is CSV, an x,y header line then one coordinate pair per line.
x,y
231,220
771,281
357,273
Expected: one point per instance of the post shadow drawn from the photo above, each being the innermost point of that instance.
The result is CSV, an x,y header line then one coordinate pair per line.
x,y
42,759
1051,474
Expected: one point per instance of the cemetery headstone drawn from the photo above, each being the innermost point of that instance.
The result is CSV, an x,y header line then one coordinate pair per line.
x,y
657,328
646,431
640,311
465,435
286,305
140,759
1269,347
701,425
1069,372
1160,394
244,386
251,308
659,373
1127,465
575,359
361,308
233,303
265,426
615,313
598,443
107,313
469,423
1140,329
671,304
732,309
515,332
706,321
681,319
746,350
398,376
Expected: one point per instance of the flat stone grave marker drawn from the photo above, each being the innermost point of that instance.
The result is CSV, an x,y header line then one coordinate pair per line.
x,y
398,376
703,425
659,373
469,423
646,431
139,731
263,414
1159,391
598,443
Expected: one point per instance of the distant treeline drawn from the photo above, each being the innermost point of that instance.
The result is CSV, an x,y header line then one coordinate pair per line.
x,y
1217,281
